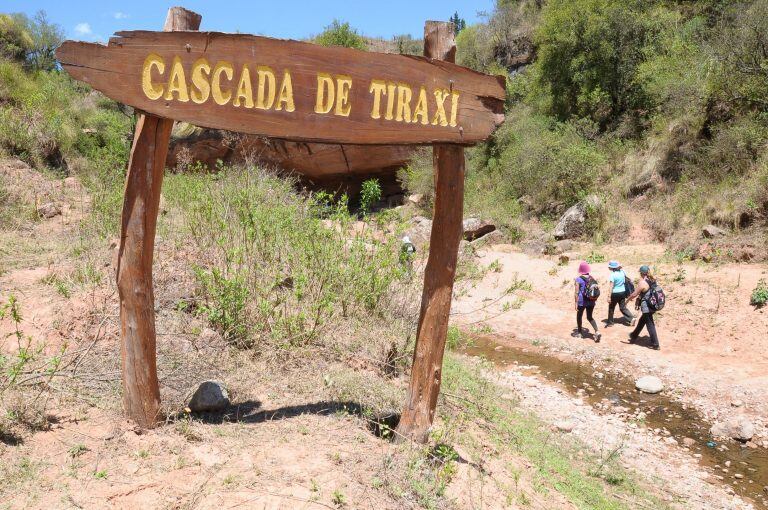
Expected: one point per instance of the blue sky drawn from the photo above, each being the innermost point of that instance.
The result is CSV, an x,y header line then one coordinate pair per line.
x,y
97,20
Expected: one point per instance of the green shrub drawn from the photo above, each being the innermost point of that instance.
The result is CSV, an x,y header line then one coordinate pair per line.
x,y
370,194
760,294
589,52
275,271
340,34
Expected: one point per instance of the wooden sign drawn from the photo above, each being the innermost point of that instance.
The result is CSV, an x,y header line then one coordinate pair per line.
x,y
290,89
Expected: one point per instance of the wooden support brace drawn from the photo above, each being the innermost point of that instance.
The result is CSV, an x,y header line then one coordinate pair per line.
x,y
448,163
141,391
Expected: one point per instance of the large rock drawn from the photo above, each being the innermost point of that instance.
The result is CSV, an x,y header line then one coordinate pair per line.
x,y
49,210
475,228
711,231
736,427
571,223
209,396
649,384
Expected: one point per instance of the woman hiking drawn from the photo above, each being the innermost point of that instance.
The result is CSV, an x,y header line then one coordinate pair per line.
x,y
618,292
643,293
585,297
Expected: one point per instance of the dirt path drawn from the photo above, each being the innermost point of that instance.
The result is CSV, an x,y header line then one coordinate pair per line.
x,y
714,346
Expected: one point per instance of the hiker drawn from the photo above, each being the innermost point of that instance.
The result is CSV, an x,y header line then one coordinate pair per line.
x,y
585,296
407,252
618,288
650,299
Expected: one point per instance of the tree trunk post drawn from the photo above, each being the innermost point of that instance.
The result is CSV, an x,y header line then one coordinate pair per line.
x,y
448,163
141,391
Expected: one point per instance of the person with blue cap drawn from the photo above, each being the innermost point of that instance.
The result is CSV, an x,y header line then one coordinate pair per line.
x,y
618,289
646,288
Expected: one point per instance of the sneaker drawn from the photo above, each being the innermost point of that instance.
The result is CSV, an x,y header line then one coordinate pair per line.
x,y
632,338
598,336
633,322
655,347
609,323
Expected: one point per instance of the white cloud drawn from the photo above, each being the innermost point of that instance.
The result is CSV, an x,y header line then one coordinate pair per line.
x,y
83,29
120,15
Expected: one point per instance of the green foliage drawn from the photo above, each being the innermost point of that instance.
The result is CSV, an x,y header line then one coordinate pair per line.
x,y
341,34
589,52
273,271
31,41
759,296
15,41
532,156
370,194
405,44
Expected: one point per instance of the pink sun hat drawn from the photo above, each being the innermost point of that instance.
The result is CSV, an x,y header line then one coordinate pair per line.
x,y
584,268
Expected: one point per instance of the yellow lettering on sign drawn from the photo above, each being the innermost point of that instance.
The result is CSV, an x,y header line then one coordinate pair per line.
x,y
151,90
177,82
265,97
391,88
286,94
244,89
404,96
440,118
378,87
343,85
201,88
421,111
221,97
454,108
323,99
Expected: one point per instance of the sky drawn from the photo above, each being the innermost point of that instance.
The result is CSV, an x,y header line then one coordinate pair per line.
x,y
91,20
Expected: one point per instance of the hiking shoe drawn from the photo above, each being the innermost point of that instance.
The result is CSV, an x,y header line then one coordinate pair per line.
x,y
633,321
655,347
609,324
598,336
632,338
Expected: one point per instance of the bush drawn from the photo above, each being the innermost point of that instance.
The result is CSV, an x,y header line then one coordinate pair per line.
x,y
15,41
370,194
759,296
589,52
340,34
274,272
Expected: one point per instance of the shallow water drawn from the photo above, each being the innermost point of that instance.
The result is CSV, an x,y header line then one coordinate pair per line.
x,y
661,412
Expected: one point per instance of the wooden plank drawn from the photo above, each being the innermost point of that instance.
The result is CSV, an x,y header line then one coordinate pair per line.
x,y
282,89
141,391
426,371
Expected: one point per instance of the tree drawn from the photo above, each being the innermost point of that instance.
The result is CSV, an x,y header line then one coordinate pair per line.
x,y
458,23
341,34
15,41
46,37
589,52
407,45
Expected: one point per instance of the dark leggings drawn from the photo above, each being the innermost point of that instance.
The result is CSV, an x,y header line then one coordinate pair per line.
x,y
618,299
647,320
580,314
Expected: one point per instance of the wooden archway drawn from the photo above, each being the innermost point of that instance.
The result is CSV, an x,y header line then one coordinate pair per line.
x,y
475,109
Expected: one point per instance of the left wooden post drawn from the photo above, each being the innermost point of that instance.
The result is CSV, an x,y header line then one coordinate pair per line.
x,y
141,391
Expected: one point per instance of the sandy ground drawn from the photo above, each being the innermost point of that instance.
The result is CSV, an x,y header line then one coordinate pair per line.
x,y
714,345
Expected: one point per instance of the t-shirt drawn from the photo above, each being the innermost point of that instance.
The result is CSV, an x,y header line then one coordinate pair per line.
x,y
617,277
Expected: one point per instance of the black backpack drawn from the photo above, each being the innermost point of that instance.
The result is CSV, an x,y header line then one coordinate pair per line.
x,y
591,288
656,298
629,287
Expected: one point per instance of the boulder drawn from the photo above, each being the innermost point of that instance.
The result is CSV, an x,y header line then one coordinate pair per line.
x,y
48,210
711,232
209,396
571,223
475,228
735,427
416,199
565,425
649,384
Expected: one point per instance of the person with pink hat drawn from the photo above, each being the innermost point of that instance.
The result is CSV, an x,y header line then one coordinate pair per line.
x,y
585,297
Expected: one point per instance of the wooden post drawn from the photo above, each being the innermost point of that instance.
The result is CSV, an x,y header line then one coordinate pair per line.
x,y
448,163
141,392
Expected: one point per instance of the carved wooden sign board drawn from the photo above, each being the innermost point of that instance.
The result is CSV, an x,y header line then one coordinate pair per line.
x,y
290,89
294,91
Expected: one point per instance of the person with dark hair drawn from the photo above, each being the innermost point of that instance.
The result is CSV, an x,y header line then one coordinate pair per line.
x,y
618,292
585,297
644,292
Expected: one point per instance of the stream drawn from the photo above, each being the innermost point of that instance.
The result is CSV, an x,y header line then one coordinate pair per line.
x,y
659,413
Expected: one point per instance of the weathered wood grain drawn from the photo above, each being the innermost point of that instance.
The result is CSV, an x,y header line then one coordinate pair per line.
x,y
116,70
426,371
141,391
